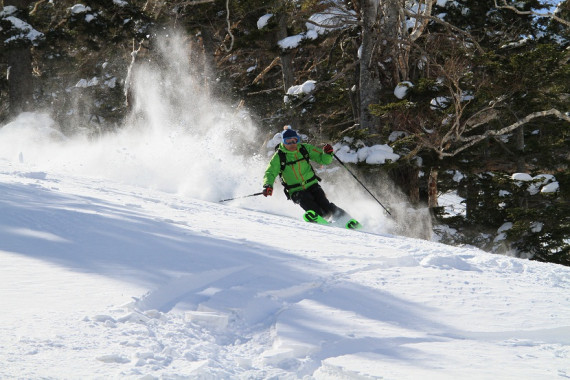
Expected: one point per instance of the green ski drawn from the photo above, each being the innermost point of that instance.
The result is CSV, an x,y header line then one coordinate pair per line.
x,y
353,224
312,217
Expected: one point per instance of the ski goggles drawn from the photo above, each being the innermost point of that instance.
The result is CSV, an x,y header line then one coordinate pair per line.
x,y
291,140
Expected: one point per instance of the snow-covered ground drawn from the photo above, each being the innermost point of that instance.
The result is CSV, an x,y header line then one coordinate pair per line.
x,y
100,279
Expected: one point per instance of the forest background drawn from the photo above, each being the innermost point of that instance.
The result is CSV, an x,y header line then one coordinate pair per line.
x,y
469,94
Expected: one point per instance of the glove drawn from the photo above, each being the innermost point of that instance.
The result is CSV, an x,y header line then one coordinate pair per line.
x,y
328,149
267,190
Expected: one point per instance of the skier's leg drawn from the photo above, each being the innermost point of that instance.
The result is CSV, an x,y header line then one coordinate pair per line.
x,y
306,200
337,212
330,210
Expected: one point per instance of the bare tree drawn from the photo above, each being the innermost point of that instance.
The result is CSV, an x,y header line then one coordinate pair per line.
x,y
457,131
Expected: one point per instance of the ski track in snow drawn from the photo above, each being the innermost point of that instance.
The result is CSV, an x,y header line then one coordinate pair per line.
x,y
202,290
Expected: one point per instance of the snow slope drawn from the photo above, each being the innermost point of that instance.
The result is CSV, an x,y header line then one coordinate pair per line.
x,y
117,261
100,279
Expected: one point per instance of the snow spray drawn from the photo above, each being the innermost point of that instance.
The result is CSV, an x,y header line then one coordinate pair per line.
x,y
179,139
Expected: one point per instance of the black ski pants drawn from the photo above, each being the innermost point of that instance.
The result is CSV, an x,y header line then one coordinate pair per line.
x,y
314,198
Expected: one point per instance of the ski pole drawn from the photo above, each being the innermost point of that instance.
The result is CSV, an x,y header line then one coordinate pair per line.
x,y
245,196
348,170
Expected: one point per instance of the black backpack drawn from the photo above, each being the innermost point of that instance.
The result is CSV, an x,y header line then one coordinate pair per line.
x,y
283,163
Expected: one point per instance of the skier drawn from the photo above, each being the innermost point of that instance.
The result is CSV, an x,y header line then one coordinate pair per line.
x,y
291,162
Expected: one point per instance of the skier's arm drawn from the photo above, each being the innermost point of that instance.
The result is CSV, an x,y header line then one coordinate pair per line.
x,y
318,155
272,170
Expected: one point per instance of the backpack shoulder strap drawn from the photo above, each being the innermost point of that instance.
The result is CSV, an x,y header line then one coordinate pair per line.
x,y
303,150
282,160
282,164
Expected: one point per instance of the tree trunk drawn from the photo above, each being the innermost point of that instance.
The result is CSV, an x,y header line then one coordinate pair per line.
x,y
127,89
406,177
470,197
432,188
209,53
20,77
390,55
355,95
521,163
390,32
286,57
20,80
288,73
369,86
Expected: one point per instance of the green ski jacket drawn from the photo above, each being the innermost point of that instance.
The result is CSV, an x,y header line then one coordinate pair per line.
x,y
298,173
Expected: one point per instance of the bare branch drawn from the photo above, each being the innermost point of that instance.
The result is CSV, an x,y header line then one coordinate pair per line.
x,y
128,78
518,11
262,74
419,27
229,28
470,141
447,25
339,18
481,117
268,91
36,6
195,2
